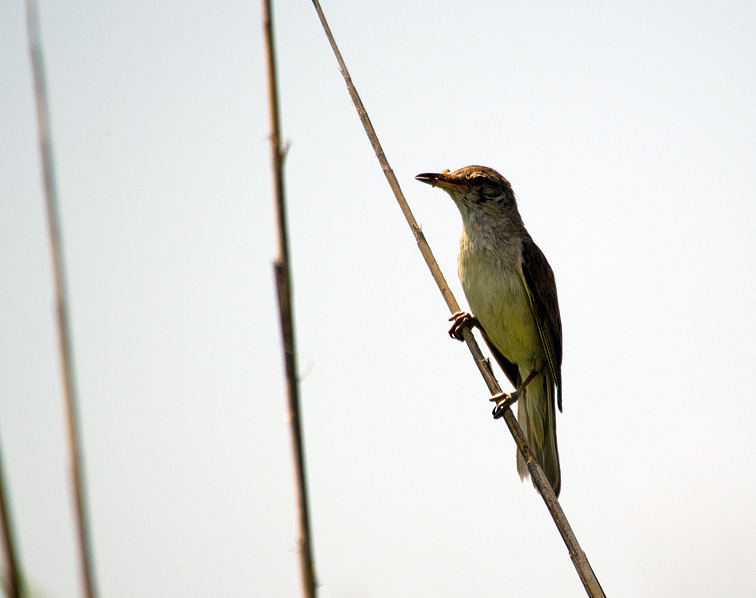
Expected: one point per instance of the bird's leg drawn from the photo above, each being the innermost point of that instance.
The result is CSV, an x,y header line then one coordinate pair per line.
x,y
527,381
462,319
503,400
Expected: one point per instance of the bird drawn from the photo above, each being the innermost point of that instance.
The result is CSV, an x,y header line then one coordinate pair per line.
x,y
511,290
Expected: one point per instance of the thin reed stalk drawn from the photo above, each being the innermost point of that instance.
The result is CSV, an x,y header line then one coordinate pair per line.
x,y
64,336
13,580
285,308
579,560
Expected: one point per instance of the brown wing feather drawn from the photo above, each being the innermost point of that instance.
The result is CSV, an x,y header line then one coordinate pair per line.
x,y
541,287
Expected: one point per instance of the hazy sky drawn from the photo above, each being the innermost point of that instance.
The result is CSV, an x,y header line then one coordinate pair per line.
x,y
628,131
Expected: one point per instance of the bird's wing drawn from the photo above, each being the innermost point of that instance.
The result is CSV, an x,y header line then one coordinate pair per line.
x,y
541,287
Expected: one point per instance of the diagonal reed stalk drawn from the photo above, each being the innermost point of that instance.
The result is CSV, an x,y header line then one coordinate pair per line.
x,y
285,308
583,567
64,336
13,580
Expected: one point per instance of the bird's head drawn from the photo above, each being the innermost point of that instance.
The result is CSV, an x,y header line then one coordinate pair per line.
x,y
471,185
476,189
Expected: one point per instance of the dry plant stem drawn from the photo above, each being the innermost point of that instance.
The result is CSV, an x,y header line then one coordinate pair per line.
x,y
13,580
590,582
283,284
64,336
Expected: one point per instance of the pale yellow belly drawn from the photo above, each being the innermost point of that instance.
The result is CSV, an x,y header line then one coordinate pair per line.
x,y
497,297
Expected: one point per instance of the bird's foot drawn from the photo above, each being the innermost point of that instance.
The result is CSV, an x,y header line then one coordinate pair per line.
x,y
461,320
503,402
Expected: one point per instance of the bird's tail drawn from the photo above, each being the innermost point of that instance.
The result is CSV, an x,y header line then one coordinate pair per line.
x,y
537,417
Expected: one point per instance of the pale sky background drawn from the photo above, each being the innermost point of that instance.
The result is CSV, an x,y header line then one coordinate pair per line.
x,y
628,131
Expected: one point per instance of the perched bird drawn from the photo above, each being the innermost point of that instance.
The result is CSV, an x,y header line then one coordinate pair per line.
x,y
511,291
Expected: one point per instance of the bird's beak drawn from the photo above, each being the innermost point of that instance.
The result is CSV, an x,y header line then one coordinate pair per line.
x,y
439,179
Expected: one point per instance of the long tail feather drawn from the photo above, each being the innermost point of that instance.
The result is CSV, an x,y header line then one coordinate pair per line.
x,y
537,417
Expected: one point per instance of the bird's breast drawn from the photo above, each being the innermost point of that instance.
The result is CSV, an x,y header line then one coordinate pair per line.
x,y
491,277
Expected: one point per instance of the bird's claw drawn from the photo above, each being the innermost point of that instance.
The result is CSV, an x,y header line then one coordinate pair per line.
x,y
461,320
503,402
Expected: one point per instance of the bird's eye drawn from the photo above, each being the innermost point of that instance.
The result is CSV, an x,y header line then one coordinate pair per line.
x,y
478,181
